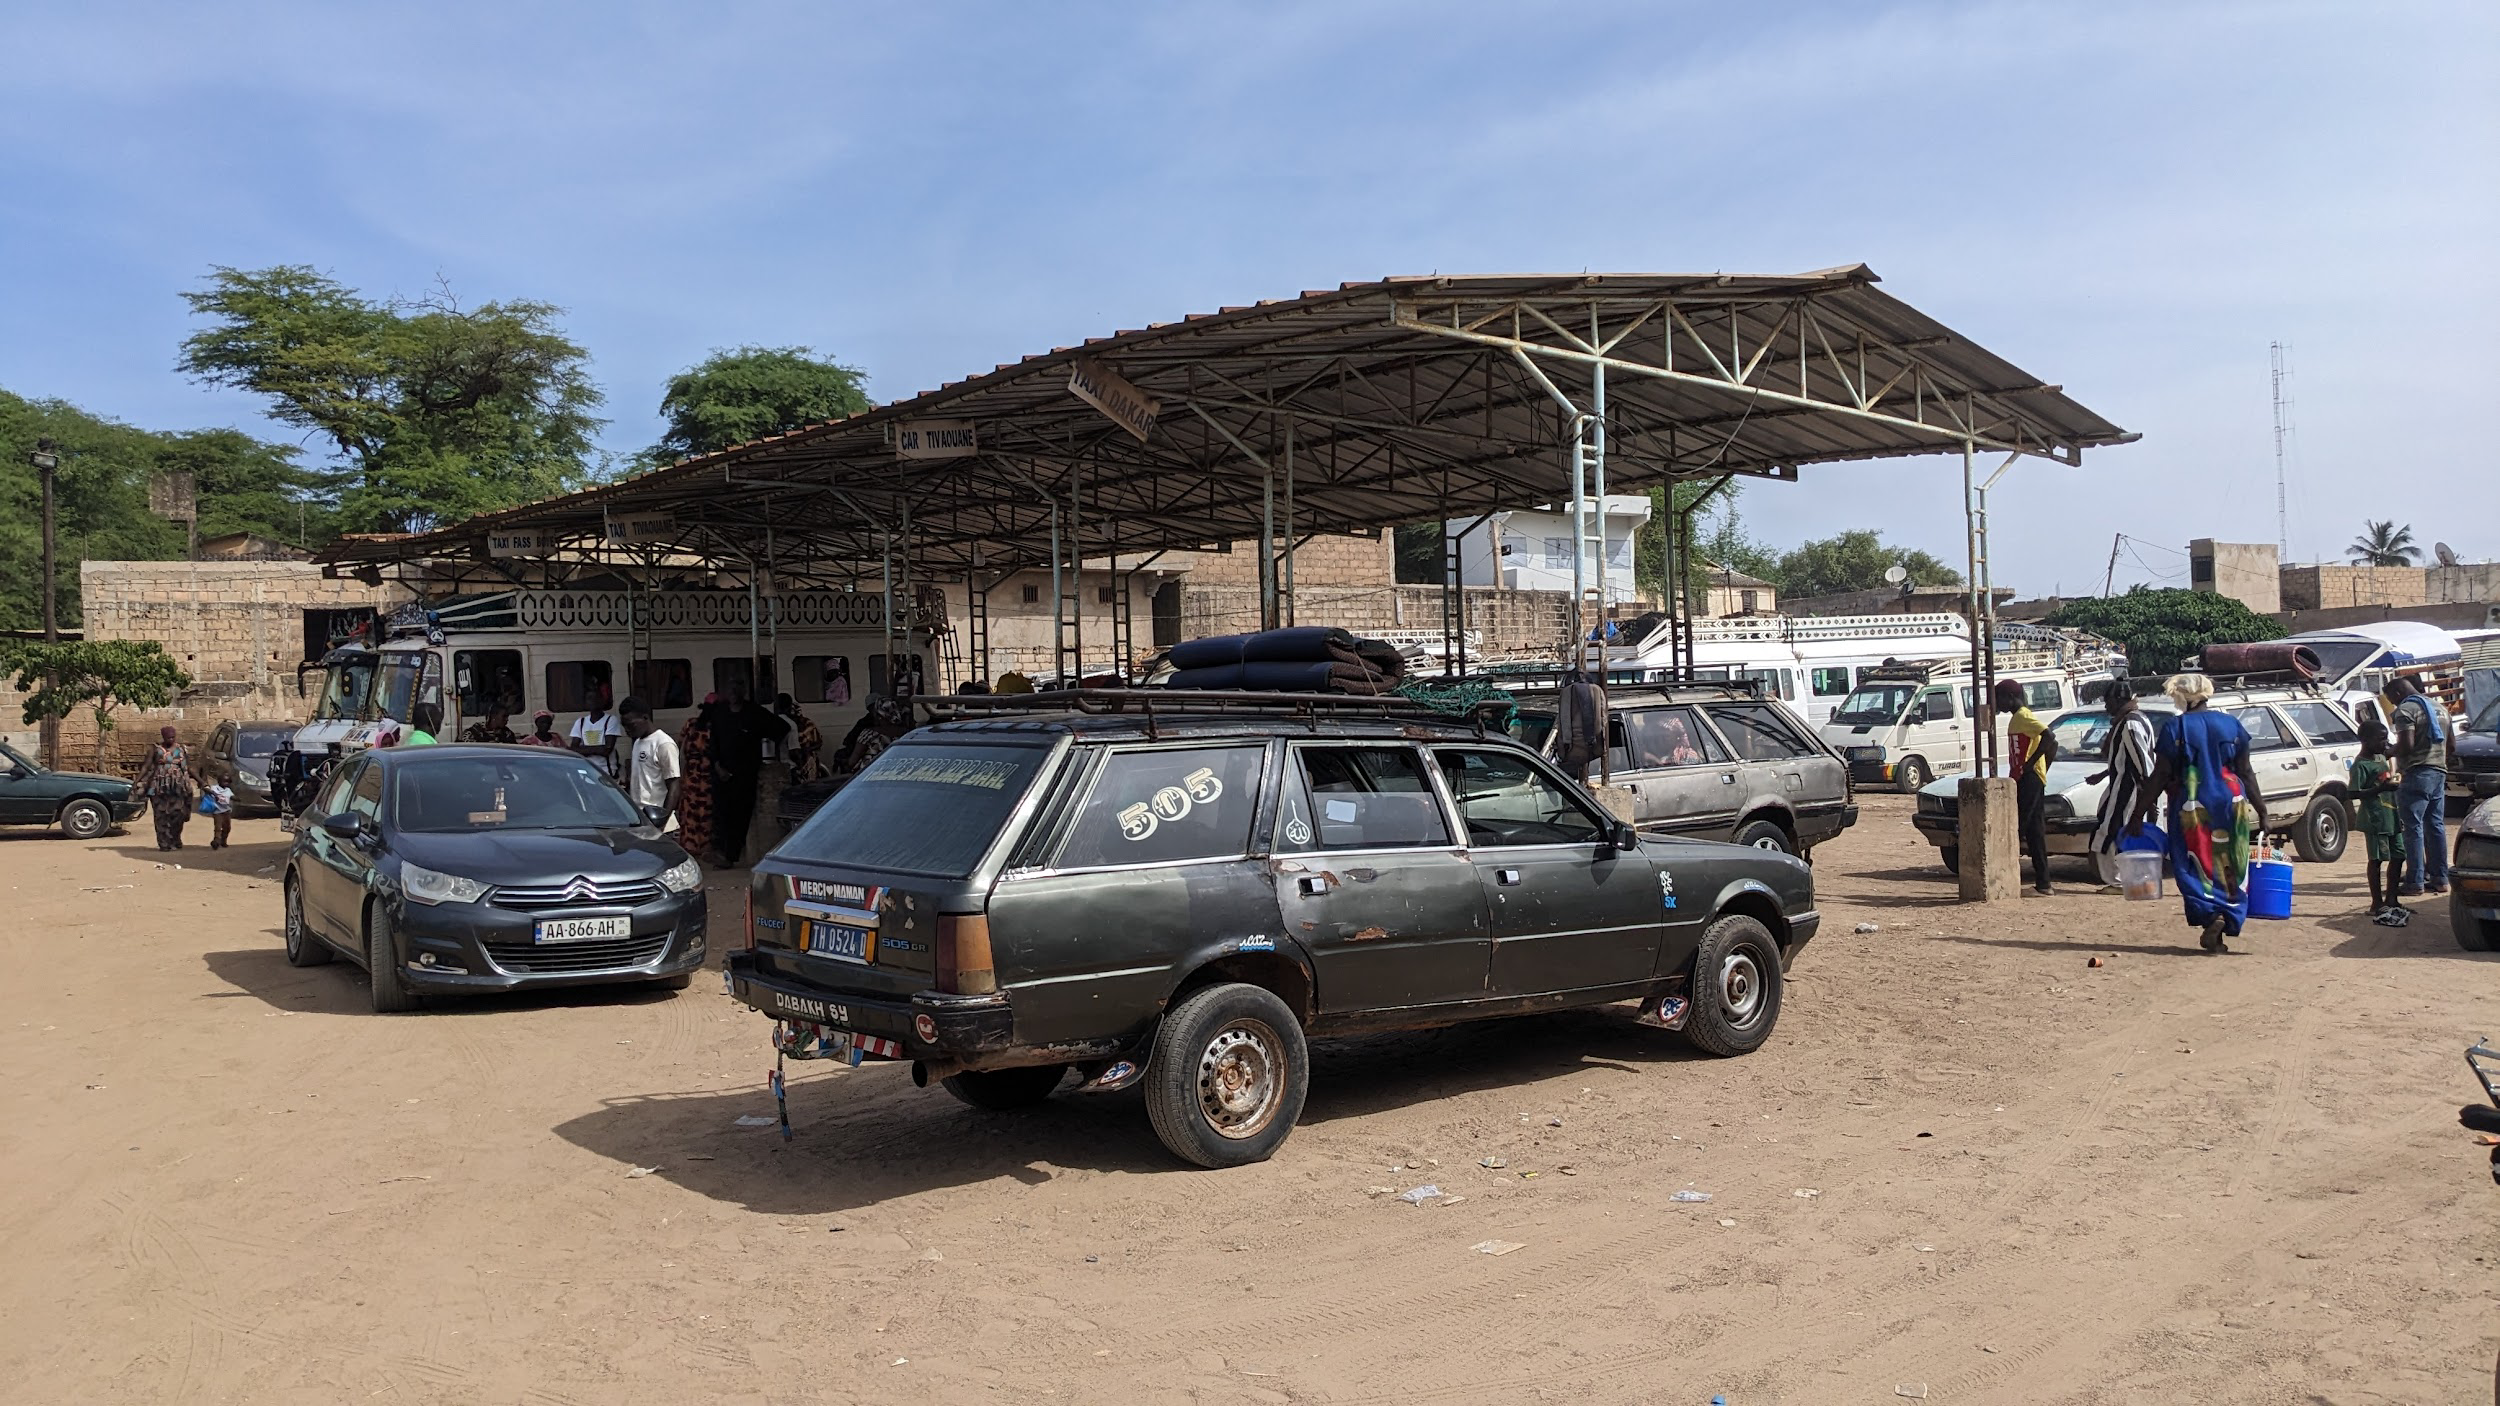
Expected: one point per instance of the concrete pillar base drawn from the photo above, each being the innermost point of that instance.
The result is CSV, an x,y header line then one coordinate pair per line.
x,y
1991,858
1618,801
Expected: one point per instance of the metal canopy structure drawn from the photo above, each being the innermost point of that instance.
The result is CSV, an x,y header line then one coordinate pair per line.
x,y
1349,410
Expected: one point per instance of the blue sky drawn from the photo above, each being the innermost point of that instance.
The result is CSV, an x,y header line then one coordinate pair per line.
x,y
2130,199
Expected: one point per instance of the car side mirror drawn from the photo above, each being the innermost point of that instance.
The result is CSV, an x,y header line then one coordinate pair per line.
x,y
347,825
1626,838
652,815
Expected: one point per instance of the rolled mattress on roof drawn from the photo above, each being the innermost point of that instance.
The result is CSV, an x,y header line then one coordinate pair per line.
x,y
2263,657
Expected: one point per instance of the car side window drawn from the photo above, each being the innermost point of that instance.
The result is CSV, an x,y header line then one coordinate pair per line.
x,y
1505,801
366,798
1160,806
333,797
1670,737
2264,733
1758,732
1359,798
2325,727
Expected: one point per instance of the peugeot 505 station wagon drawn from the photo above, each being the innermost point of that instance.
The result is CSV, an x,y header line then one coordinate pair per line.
x,y
1178,890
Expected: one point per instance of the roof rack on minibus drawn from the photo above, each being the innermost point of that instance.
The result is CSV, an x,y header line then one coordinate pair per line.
x,y
1149,704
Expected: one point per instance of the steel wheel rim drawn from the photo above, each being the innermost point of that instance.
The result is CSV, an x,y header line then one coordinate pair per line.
x,y
2330,827
1741,988
1241,1079
294,921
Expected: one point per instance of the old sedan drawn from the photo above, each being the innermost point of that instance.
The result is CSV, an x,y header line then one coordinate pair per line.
x,y
486,868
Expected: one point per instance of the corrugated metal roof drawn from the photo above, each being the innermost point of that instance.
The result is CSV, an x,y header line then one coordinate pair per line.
x,y
1395,400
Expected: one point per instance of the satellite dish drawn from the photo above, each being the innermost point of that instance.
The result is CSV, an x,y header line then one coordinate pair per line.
x,y
2447,555
1897,574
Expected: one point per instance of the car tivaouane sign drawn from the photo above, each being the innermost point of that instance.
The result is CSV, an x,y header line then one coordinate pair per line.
x,y
1123,404
936,439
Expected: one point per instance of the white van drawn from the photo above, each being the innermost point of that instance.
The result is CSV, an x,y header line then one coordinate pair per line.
x,y
1906,724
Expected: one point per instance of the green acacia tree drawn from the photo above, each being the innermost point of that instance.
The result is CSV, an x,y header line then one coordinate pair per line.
x,y
2159,628
436,412
98,675
732,397
1853,561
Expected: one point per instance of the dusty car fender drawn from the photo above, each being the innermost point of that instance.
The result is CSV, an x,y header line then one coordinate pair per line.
x,y
1279,963
1754,898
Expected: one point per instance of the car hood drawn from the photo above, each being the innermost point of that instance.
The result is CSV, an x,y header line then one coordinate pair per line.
x,y
2063,777
85,778
2478,744
542,856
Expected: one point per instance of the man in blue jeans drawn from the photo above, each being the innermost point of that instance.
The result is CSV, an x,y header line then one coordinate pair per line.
x,y
2422,799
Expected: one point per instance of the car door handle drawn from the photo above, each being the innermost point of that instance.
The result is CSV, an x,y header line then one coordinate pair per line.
x,y
1727,778
1506,877
1313,885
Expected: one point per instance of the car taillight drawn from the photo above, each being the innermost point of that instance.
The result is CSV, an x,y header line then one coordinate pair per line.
x,y
963,955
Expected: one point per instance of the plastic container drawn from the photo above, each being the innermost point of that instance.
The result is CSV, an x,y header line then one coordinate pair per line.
x,y
2140,874
2270,889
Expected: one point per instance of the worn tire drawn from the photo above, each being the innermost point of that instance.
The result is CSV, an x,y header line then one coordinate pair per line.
x,y
1766,834
2472,933
1735,988
1911,775
1950,856
1228,1076
304,947
1005,1090
85,819
390,992
2324,829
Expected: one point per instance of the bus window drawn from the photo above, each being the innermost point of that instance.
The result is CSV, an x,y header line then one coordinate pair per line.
x,y
488,680
1831,682
579,685
737,671
664,683
904,669
821,678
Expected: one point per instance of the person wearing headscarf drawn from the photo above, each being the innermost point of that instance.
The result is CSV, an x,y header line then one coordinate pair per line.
x,y
165,779
807,747
543,732
886,719
695,789
2128,769
2216,811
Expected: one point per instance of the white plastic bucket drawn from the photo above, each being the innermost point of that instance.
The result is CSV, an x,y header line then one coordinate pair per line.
x,y
2140,873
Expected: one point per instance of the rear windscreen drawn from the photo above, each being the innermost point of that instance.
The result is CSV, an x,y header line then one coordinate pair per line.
x,y
921,808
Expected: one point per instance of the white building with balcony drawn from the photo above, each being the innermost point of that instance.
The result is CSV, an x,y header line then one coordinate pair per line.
x,y
1530,549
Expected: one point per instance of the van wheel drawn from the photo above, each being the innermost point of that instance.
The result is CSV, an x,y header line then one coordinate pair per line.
x,y
390,993
1736,987
302,948
1766,834
1951,857
1004,1090
1911,775
84,819
2323,831
1228,1076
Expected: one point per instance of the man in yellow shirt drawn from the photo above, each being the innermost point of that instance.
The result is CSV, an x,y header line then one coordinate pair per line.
x,y
2030,747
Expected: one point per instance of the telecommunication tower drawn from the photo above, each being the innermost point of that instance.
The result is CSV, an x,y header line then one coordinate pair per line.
x,y
2282,424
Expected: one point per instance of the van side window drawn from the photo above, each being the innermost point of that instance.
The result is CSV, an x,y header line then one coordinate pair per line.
x,y
1670,737
1936,705
488,679
1507,802
663,683
573,683
2322,723
1758,732
821,678
1359,798
1154,807
2045,696
1831,682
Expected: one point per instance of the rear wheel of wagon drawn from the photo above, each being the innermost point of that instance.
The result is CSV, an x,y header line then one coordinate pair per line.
x,y
1228,1076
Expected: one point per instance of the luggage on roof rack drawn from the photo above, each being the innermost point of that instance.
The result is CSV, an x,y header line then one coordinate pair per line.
x,y
1153,703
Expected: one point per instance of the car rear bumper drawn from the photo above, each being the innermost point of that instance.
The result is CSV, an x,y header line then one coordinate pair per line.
x,y
1866,773
1801,930
1822,823
477,947
966,1028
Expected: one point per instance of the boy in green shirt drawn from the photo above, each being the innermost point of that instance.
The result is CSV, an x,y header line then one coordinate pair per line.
x,y
2372,785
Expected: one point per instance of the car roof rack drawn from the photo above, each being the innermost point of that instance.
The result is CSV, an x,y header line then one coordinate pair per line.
x,y
1151,704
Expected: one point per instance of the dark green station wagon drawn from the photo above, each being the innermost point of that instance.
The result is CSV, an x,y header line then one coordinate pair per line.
x,y
1178,889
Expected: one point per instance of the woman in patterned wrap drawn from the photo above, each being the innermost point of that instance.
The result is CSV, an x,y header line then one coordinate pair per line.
x,y
2129,771
2216,810
165,780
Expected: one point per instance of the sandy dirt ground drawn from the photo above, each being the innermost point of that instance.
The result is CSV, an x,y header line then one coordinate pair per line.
x,y
1967,1162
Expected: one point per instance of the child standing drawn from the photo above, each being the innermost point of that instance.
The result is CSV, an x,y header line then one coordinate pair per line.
x,y
2372,784
220,813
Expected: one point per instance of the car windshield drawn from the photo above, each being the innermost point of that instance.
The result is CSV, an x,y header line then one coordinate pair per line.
x,y
520,791
921,808
256,744
1875,703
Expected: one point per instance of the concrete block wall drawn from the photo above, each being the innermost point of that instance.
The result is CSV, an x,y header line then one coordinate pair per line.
x,y
1334,562
2326,587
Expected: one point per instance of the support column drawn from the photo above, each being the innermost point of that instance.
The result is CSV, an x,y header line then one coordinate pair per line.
x,y
1991,859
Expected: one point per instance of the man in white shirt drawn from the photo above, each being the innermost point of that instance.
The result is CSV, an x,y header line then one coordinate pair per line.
x,y
654,773
595,732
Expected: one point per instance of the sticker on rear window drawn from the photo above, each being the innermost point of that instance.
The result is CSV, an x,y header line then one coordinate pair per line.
x,y
986,774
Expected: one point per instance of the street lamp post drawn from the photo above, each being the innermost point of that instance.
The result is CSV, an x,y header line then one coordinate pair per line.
x,y
46,459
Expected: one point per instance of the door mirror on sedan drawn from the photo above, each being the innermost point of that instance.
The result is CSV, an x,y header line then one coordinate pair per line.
x,y
1627,838
347,825
652,815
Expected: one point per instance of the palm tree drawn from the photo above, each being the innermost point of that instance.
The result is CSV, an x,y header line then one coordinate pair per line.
x,y
2384,544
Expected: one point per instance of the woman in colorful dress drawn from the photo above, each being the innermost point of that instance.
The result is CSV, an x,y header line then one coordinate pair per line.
x,y
696,775
166,781
2216,810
